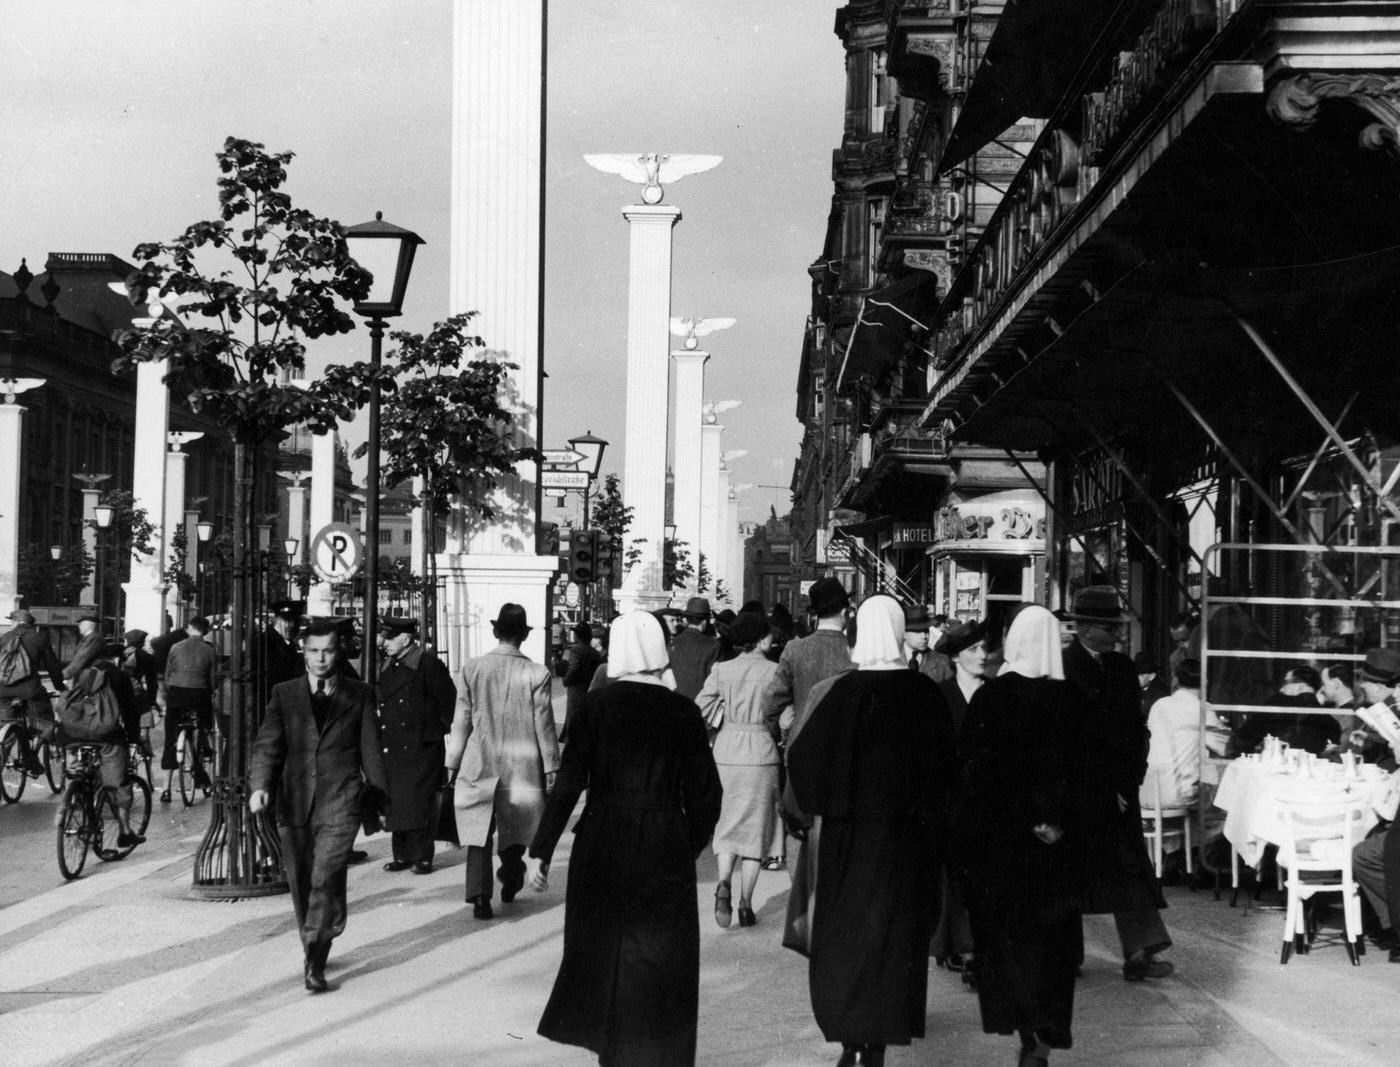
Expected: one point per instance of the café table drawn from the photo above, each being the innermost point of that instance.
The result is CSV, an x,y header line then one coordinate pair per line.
x,y
1251,788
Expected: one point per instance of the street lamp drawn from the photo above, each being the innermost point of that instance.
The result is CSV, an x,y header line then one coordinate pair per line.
x,y
591,449
289,547
102,514
386,251
56,554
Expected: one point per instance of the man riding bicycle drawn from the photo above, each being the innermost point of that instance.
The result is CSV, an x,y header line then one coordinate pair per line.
x,y
28,688
112,744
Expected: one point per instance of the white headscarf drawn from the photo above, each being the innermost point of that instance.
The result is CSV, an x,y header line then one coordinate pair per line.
x,y
636,648
879,635
1032,647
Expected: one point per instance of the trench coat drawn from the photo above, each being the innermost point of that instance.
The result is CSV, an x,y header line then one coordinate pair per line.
x,y
629,982
503,745
416,702
874,761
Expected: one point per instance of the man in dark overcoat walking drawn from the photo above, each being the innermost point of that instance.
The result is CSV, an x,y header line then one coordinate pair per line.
x,y
1109,679
416,700
693,652
318,748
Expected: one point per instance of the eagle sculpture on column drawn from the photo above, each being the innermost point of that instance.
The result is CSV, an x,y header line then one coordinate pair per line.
x,y
651,170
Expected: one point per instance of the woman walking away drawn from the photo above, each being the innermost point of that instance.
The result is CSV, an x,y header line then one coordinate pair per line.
x,y
629,983
746,754
583,662
875,761
1030,751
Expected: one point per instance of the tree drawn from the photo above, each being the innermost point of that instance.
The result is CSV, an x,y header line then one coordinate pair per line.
x,y
721,593
610,514
676,568
175,574
702,575
42,577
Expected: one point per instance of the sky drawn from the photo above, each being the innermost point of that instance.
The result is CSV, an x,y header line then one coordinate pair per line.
x,y
110,115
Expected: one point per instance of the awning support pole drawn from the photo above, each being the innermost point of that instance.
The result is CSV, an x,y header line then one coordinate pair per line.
x,y
1317,458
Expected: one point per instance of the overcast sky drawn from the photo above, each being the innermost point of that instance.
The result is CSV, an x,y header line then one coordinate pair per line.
x,y
110,114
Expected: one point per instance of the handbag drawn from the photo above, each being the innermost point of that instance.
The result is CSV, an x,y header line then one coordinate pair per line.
x,y
445,821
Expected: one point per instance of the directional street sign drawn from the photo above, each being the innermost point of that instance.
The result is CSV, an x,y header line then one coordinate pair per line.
x,y
337,552
561,457
564,479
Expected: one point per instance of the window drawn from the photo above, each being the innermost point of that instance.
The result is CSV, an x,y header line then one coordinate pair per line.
x,y
408,537
874,228
879,91
386,537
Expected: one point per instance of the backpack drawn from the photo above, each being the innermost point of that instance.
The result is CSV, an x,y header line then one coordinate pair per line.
x,y
15,665
88,709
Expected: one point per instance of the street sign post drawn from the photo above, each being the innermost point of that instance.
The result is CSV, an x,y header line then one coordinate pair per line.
x,y
337,552
564,479
561,457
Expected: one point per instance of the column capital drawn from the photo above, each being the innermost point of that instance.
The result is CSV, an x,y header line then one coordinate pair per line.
x,y
652,214
1296,101
689,356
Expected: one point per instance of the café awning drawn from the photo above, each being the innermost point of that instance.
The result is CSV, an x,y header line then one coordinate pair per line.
x,y
883,325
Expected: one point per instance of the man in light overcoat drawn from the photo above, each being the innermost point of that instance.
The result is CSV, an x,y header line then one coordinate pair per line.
x,y
504,754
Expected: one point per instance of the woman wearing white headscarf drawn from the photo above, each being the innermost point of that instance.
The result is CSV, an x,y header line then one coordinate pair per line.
x,y
874,760
1033,774
629,982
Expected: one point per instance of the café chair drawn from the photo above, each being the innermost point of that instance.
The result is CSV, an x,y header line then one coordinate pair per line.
x,y
1318,837
1156,817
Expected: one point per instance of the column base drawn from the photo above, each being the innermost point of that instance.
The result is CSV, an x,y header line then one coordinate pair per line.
x,y
145,608
475,585
641,599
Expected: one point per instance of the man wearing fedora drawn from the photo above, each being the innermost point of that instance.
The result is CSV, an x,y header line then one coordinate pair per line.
x,y
89,646
693,652
930,663
1108,681
503,755
1376,861
416,701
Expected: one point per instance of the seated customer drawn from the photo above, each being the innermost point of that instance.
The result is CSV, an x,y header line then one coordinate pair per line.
x,y
1177,739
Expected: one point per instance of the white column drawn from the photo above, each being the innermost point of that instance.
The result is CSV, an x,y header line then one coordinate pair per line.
x,y
690,393
723,541
735,582
709,499
296,516
417,548
11,464
318,601
145,591
192,550
175,462
91,495
496,269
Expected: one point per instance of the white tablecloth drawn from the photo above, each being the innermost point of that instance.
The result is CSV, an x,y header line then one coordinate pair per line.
x,y
1250,790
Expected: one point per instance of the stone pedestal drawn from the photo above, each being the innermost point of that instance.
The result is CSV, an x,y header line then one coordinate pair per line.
x,y
318,601
496,269
690,394
91,496
709,500
735,582
296,517
145,590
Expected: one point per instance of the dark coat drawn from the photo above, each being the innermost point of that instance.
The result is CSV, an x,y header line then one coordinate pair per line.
x,y
874,761
161,646
279,660
85,655
416,699
584,661
957,703
41,660
629,983
1109,686
316,777
692,656
140,666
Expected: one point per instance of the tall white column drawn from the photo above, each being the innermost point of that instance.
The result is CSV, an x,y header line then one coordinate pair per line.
x,y
723,540
690,393
496,269
91,495
735,556
296,516
145,591
11,470
175,462
710,451
318,600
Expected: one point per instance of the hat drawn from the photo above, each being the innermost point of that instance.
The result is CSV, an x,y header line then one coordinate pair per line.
x,y
916,619
292,610
780,618
697,607
1146,663
1095,603
135,637
748,627
1382,666
582,632
961,636
1188,673
753,606
112,650
86,616
20,615
827,596
724,619
510,621
393,625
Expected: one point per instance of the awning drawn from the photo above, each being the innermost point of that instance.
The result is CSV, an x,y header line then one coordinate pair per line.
x,y
883,325
866,527
1038,51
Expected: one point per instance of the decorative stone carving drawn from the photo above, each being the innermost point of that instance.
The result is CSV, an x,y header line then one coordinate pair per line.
x,y
1296,101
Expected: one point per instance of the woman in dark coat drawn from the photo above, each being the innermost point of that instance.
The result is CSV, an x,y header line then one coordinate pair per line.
x,y
875,761
629,983
583,661
1033,797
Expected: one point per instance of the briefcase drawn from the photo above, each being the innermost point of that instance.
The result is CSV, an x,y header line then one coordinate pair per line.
x,y
446,821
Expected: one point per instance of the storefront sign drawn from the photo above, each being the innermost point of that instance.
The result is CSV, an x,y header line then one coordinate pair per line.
x,y
912,535
977,521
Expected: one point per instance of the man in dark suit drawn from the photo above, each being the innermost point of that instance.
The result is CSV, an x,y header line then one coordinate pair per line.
x,y
693,653
934,665
1108,679
318,748
416,702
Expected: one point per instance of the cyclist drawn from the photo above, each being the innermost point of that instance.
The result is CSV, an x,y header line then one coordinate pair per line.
x,y
189,686
140,667
29,689
89,646
111,748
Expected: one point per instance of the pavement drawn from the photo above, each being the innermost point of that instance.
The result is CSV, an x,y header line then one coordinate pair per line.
x,y
124,966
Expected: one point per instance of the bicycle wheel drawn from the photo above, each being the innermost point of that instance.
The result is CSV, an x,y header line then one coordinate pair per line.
x,y
13,775
140,802
73,831
55,765
188,759
110,826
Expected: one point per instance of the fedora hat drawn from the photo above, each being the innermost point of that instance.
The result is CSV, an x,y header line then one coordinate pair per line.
x,y
20,615
510,621
961,636
827,596
1382,666
748,627
1095,603
697,607
916,619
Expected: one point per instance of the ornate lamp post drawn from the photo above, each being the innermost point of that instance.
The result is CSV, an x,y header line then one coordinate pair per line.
x,y
386,251
102,514
591,449
289,549
56,554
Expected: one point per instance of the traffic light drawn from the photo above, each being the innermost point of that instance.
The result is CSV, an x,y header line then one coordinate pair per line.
x,y
607,561
583,556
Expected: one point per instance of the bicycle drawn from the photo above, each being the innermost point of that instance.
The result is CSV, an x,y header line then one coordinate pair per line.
x,y
25,752
87,819
194,759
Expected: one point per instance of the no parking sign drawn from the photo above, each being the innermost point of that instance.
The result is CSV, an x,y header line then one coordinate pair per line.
x,y
337,552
